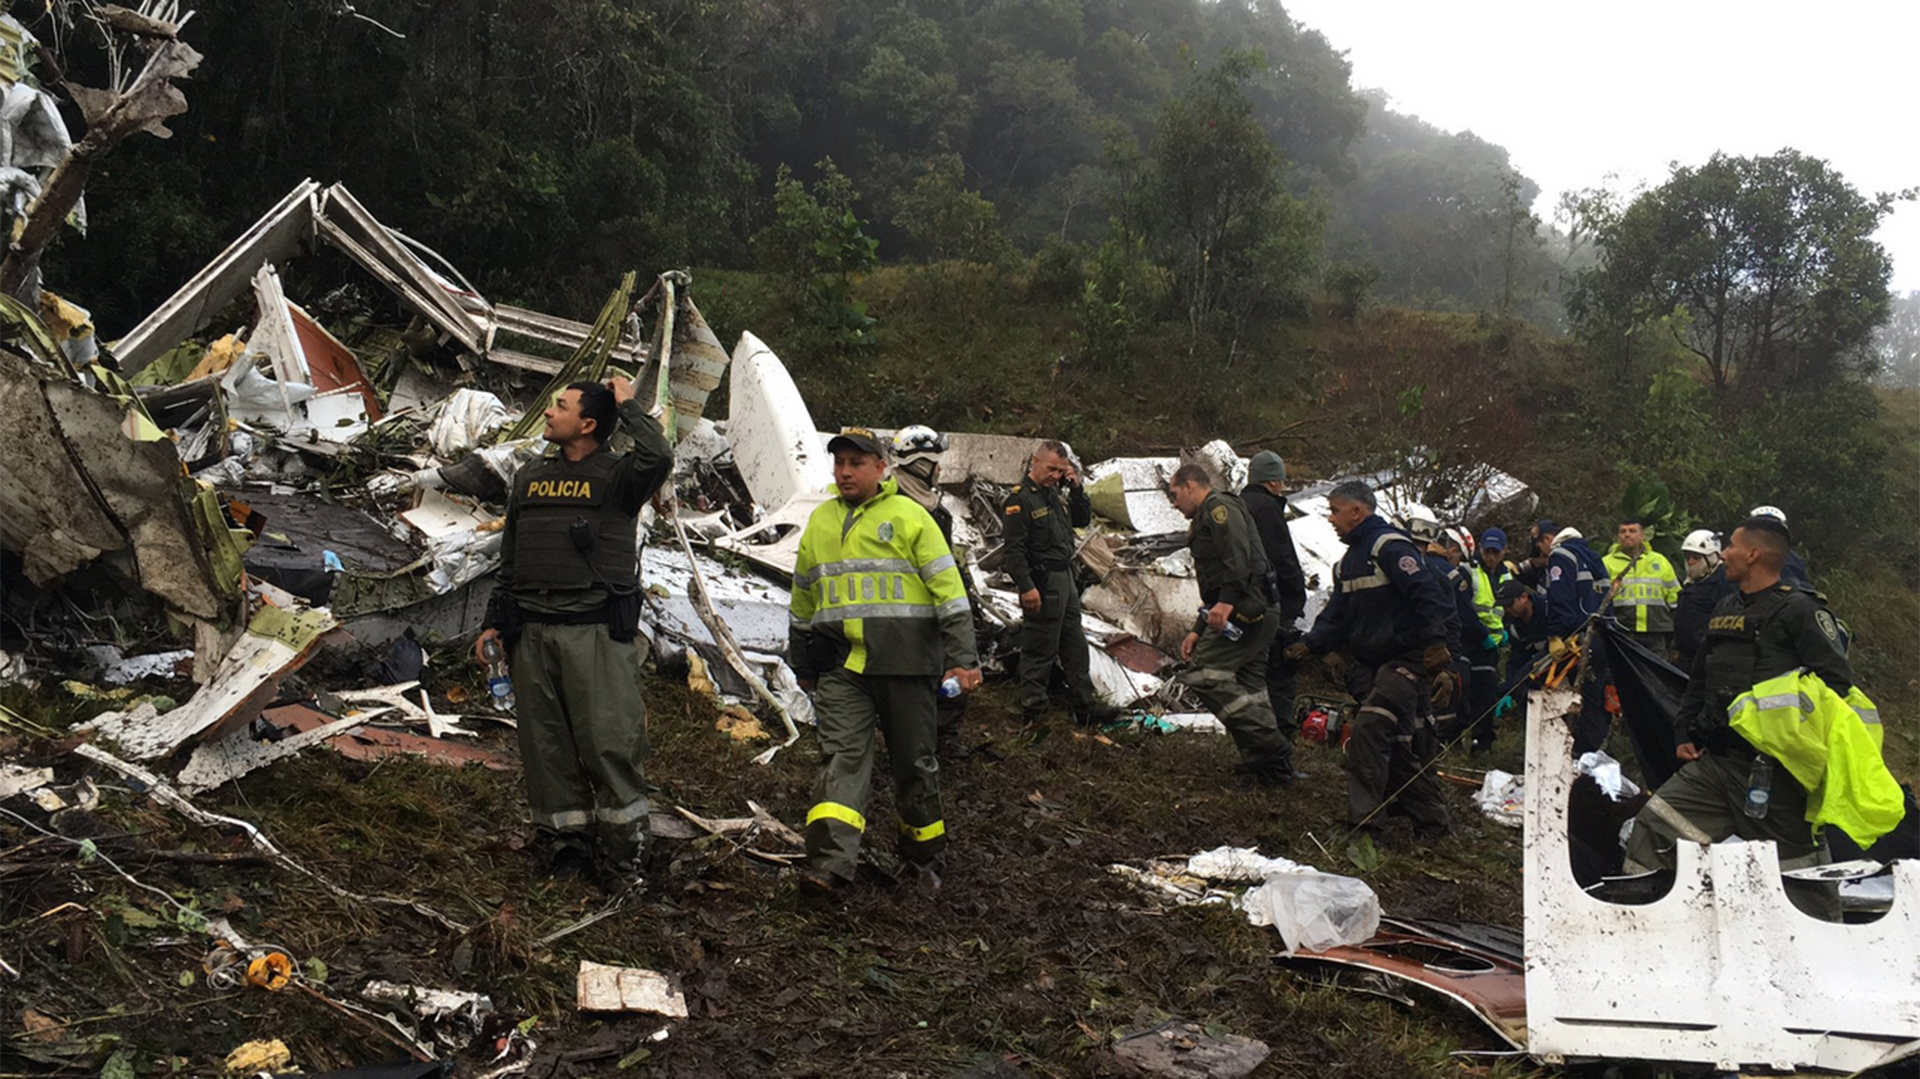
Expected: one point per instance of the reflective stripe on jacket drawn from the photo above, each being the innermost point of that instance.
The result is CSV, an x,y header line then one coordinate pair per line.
x,y
1648,590
1830,744
879,582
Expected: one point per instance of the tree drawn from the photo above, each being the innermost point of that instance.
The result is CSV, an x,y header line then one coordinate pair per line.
x,y
1897,344
1214,205
1771,257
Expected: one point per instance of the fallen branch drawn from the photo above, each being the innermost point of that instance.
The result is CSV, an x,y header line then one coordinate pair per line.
x,y
722,636
163,793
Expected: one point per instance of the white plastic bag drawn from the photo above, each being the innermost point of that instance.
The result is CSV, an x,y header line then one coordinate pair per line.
x,y
1315,911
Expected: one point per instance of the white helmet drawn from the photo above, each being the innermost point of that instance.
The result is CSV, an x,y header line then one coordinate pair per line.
x,y
1774,512
1462,539
1423,527
1701,541
918,443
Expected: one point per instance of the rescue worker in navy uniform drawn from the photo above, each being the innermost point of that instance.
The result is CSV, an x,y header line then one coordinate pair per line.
x,y
1576,583
877,614
1266,478
1389,612
1449,687
1232,637
1706,586
1037,545
1767,628
567,607
917,450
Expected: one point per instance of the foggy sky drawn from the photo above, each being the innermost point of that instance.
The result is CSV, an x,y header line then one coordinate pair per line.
x,y
1576,91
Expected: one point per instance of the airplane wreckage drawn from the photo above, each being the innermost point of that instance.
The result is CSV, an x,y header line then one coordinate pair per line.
x,y
278,475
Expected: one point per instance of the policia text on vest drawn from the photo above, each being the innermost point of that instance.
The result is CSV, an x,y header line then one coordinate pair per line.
x,y
568,606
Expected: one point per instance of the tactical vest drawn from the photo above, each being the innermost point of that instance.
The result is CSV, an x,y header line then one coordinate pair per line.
x,y
1733,648
553,494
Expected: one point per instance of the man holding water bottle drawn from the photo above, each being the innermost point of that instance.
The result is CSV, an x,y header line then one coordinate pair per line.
x,y
1725,787
565,613
879,625
1232,635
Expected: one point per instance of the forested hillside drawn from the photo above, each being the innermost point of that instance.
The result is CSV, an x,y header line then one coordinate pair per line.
x,y
1134,223
546,146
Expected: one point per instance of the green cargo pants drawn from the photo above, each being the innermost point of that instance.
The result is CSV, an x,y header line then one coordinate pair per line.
x,y
1054,633
1231,677
1705,801
583,739
848,707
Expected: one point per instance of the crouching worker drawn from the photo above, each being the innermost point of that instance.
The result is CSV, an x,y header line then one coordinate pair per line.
x,y
567,608
1389,612
1761,631
1231,639
879,619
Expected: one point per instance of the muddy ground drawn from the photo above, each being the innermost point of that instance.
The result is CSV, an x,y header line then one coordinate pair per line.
x,y
1030,956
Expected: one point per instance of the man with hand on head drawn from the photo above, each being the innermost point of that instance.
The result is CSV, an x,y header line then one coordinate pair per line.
x,y
566,609
1037,544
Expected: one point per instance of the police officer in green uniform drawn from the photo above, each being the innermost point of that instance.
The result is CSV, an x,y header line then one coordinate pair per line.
x,y
878,613
1766,628
1037,545
568,607
1230,674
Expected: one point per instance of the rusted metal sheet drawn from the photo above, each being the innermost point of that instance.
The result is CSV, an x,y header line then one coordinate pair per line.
x,y
1488,981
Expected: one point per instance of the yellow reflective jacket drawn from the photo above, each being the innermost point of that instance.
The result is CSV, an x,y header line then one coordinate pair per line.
x,y
1649,590
876,590
1484,605
1830,744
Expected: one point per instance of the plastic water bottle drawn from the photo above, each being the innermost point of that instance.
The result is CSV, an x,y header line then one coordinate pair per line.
x,y
498,681
1759,786
1231,632
950,688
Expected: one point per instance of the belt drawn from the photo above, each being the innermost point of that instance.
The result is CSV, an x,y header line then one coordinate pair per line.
x,y
597,616
1054,567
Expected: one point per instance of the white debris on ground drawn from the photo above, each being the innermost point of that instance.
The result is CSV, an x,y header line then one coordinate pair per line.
x,y
1311,910
1502,795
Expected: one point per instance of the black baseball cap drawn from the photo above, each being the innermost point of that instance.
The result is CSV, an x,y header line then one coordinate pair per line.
x,y
1509,591
859,440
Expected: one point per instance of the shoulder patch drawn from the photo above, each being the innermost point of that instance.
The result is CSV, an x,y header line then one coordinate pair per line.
x,y
1824,619
1409,564
1554,574
1016,488
1013,508
1219,515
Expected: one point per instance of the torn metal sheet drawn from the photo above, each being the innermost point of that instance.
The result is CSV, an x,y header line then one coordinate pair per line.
x,y
331,365
1722,970
436,515
77,487
276,236
602,988
754,609
1000,459
1492,985
237,753
1132,493
277,643
20,779
1152,606
775,446
368,743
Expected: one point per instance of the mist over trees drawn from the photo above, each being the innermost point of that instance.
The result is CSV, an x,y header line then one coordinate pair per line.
x,y
545,146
